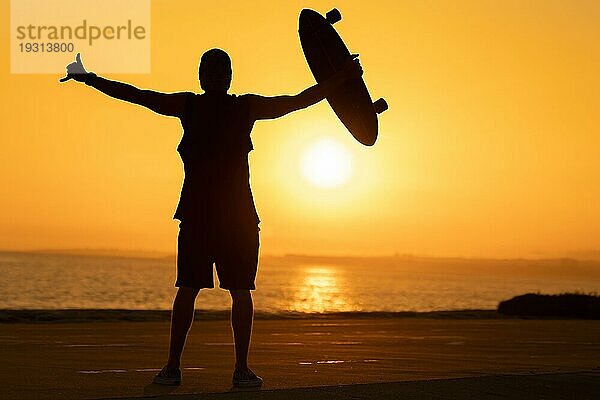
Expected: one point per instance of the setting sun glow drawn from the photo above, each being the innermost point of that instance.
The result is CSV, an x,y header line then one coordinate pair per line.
x,y
326,163
489,148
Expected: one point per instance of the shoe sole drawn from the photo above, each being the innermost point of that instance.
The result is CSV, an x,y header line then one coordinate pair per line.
x,y
247,384
166,381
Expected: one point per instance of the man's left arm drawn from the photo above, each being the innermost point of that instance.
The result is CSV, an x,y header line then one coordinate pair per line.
x,y
262,107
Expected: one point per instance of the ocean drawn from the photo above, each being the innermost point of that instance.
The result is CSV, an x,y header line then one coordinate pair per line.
x,y
291,283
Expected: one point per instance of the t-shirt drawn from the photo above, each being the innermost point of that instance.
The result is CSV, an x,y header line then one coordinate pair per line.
x,y
214,150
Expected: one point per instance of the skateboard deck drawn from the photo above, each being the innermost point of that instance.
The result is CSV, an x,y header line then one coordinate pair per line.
x,y
326,53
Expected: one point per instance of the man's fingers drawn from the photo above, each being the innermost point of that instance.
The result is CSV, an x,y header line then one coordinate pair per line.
x,y
75,67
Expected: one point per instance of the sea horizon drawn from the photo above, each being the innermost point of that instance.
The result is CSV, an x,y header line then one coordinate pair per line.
x,y
584,256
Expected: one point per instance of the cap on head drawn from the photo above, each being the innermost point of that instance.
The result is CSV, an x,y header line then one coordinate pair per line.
x,y
214,71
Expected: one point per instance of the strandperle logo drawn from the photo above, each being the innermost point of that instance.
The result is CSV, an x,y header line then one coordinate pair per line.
x,y
85,31
114,35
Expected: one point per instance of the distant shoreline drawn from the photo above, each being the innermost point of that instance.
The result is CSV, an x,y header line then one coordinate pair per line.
x,y
592,257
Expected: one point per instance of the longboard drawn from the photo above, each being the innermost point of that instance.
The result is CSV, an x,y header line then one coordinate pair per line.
x,y
326,53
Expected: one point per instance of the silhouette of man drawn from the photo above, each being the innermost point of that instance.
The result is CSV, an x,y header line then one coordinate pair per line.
x,y
218,219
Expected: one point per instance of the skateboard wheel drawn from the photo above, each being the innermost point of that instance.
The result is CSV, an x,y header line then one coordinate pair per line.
x,y
380,106
333,16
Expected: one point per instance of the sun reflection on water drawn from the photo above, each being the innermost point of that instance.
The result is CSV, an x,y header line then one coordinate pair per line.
x,y
319,289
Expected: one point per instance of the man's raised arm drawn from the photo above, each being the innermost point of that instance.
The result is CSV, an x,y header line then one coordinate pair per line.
x,y
170,104
274,107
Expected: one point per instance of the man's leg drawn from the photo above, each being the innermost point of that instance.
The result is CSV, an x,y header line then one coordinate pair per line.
x,y
242,313
181,320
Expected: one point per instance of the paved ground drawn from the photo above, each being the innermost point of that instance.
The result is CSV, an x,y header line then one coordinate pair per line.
x,y
118,359
567,386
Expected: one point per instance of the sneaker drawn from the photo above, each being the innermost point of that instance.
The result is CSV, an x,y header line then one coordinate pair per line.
x,y
168,376
246,378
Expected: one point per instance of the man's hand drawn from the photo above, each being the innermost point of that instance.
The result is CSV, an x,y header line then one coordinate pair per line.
x,y
351,68
75,70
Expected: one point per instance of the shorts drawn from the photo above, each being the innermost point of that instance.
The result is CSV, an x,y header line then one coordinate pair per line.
x,y
234,251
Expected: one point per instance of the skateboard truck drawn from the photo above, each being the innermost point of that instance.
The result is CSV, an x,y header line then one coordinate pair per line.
x,y
380,105
333,16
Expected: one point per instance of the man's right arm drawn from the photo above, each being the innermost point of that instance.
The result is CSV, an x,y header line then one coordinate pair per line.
x,y
170,104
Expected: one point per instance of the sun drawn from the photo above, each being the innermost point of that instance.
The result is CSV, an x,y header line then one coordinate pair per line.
x,y
326,163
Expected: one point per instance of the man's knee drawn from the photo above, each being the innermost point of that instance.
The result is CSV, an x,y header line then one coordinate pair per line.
x,y
240,294
187,293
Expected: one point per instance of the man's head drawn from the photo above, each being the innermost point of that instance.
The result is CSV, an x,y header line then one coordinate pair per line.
x,y
215,71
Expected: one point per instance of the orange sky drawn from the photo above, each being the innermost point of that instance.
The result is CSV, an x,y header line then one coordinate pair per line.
x,y
489,148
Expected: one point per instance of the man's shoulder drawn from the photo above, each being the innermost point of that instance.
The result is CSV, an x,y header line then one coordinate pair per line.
x,y
248,96
250,100
187,95
245,100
